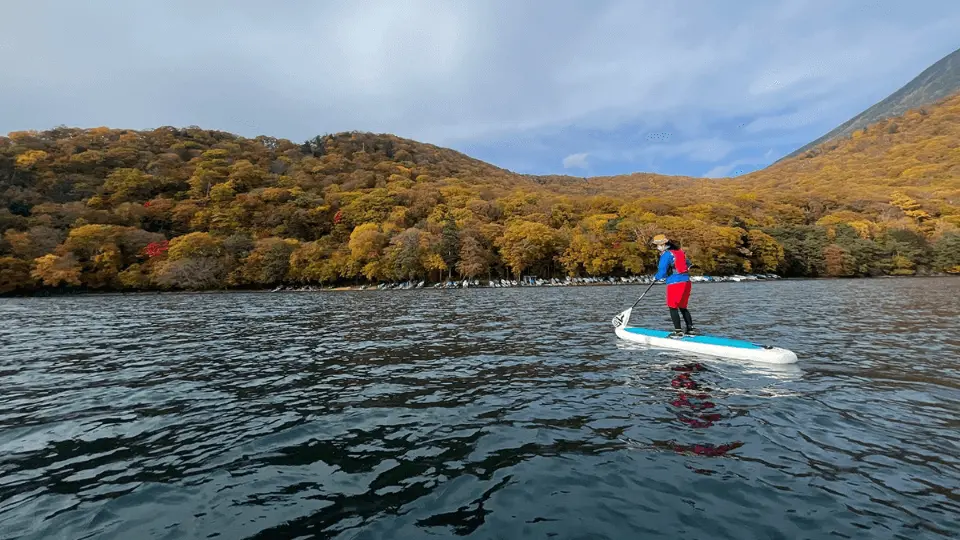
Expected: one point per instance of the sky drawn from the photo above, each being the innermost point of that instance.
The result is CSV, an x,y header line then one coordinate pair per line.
x,y
585,88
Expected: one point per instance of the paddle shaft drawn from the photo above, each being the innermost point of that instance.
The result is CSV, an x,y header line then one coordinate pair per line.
x,y
644,294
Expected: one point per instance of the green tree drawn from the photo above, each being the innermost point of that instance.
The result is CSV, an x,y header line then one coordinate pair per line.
x,y
269,262
803,249
135,277
946,253
404,256
907,249
449,245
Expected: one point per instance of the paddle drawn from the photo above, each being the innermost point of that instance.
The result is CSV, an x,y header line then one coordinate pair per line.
x,y
624,317
652,283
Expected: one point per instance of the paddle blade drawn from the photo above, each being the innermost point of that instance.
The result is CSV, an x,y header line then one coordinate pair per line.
x,y
622,319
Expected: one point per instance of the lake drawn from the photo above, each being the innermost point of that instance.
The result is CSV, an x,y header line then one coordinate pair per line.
x,y
486,413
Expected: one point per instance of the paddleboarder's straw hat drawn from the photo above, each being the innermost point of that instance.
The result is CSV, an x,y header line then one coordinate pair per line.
x,y
660,239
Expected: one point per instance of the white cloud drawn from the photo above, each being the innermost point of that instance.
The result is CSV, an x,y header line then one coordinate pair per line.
x,y
706,149
455,72
784,121
779,79
725,170
575,161
720,171
710,150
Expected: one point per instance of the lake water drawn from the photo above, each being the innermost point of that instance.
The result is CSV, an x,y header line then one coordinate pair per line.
x,y
489,413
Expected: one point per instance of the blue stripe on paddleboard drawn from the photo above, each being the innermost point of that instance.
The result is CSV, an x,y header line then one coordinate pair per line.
x,y
706,340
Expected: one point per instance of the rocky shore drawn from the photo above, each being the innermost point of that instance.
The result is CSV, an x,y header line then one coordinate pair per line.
x,y
526,281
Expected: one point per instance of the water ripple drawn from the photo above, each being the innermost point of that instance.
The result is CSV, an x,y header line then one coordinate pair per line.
x,y
488,413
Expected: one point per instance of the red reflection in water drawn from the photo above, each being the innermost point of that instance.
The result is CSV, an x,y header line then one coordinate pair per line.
x,y
696,402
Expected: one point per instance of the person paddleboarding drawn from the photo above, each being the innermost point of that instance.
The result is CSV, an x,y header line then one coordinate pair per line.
x,y
673,269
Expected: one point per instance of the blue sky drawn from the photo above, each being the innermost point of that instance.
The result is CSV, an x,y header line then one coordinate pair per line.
x,y
700,88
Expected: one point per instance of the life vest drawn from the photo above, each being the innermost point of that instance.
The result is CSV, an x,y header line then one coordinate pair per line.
x,y
679,261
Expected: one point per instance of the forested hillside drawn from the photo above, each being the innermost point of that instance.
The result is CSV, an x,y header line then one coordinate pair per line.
x,y
111,209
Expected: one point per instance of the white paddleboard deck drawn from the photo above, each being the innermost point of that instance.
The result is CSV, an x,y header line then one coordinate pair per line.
x,y
702,344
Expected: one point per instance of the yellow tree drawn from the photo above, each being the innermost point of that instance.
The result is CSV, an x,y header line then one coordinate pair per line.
x,y
194,246
211,169
366,244
55,270
30,158
245,176
912,209
525,244
594,246
193,261
315,262
97,250
766,253
129,185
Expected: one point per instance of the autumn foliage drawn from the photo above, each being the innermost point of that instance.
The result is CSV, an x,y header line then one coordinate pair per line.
x,y
105,209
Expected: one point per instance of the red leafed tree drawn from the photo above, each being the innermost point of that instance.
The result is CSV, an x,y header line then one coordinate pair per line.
x,y
155,249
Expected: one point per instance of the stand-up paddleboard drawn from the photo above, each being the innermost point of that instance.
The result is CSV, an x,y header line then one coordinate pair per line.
x,y
700,344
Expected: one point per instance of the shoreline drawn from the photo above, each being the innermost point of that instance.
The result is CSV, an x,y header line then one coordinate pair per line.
x,y
435,286
600,282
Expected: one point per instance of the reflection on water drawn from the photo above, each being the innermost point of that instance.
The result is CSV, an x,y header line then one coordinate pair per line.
x,y
488,413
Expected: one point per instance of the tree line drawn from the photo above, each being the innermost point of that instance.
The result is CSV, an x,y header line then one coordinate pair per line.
x,y
188,208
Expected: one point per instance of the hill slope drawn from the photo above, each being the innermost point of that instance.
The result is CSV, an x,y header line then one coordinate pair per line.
x,y
937,82
105,209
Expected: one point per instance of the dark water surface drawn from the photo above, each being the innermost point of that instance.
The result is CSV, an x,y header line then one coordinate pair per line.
x,y
485,413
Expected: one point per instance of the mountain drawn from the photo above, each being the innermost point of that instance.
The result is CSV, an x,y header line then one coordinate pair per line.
x,y
114,209
937,82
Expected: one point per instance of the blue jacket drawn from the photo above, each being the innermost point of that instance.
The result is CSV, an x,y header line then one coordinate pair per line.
x,y
666,265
